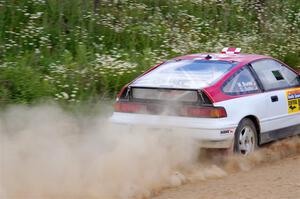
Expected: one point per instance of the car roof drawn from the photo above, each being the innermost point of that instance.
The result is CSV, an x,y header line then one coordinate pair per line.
x,y
245,58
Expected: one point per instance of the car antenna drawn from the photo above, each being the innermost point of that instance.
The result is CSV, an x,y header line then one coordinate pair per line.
x,y
208,57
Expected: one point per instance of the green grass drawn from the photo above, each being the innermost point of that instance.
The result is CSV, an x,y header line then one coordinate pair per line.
x,y
73,52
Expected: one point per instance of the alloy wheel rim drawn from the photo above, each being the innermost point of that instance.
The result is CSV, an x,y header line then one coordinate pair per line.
x,y
246,140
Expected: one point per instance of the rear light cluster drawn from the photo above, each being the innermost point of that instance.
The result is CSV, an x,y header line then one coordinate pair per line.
x,y
209,112
185,110
129,107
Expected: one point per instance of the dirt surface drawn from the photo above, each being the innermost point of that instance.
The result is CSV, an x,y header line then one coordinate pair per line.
x,y
279,179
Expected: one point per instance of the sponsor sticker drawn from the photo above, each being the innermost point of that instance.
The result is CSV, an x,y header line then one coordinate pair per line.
x,y
293,98
228,131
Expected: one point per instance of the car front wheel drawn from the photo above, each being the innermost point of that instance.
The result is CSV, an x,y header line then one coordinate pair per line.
x,y
245,137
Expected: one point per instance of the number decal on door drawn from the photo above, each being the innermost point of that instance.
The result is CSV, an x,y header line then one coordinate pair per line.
x,y
293,97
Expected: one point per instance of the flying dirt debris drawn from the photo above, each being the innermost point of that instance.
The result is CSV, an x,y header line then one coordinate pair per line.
x,y
48,153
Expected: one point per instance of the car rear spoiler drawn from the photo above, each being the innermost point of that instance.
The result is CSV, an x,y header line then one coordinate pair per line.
x,y
132,93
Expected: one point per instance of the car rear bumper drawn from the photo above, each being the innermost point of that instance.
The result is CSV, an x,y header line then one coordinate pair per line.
x,y
211,133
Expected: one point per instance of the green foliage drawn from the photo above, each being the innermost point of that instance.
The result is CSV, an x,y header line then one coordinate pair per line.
x,y
21,84
75,51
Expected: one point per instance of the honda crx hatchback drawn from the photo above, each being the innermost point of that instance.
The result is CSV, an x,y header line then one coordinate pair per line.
x,y
226,100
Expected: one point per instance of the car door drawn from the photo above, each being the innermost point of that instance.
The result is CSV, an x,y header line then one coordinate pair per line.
x,y
281,88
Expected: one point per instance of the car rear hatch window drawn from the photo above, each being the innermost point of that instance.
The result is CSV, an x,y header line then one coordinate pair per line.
x,y
185,74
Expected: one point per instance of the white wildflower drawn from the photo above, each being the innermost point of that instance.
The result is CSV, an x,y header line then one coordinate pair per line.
x,y
65,95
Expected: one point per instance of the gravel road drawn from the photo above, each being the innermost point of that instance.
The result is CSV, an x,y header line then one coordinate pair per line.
x,y
279,179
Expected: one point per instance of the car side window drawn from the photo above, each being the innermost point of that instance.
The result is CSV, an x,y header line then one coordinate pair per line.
x,y
242,82
291,77
274,75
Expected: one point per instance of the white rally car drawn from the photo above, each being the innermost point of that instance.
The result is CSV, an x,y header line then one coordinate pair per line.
x,y
225,100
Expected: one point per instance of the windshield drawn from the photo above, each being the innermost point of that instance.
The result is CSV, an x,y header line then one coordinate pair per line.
x,y
185,74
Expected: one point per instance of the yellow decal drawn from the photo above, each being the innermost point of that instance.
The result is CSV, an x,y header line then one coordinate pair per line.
x,y
293,97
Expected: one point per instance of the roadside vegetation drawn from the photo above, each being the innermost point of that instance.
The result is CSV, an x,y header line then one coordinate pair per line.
x,y
75,51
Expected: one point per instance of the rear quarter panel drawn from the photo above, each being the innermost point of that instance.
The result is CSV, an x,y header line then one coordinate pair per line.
x,y
239,108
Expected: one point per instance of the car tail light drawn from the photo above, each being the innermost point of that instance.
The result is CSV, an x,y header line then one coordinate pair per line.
x,y
205,112
186,111
129,107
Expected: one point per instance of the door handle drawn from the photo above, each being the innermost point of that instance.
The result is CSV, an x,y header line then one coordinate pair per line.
x,y
274,98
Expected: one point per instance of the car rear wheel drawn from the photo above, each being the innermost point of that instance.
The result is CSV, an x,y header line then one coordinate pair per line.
x,y
245,137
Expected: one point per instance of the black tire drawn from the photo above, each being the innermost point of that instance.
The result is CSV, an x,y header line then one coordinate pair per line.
x,y
245,137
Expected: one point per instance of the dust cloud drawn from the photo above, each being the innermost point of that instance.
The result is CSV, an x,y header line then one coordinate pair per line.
x,y
233,163
267,154
48,153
